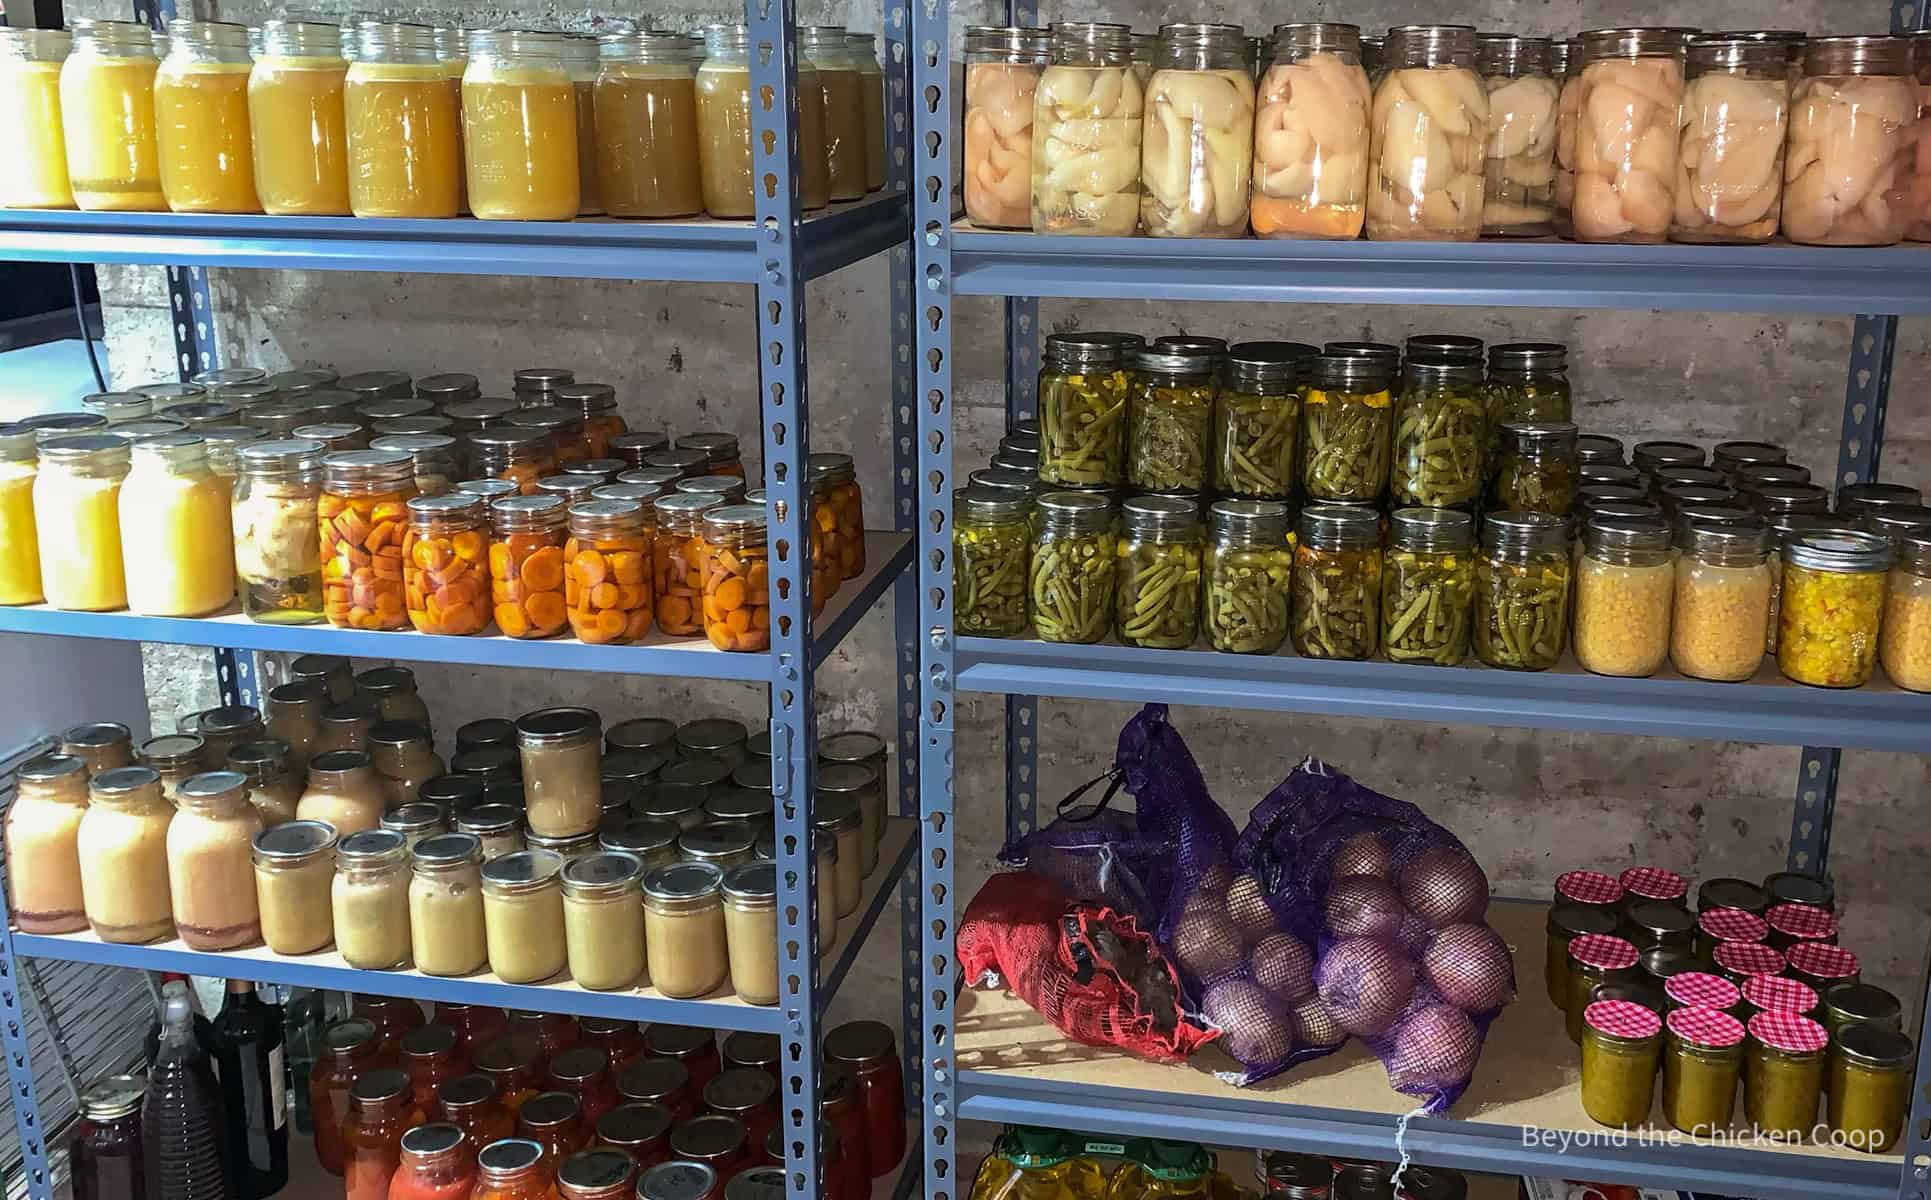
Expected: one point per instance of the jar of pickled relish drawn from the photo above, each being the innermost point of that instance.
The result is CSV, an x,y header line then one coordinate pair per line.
x,y
1439,430
1702,1060
1621,1047
363,512
1072,568
1248,567
1522,591
30,65
1625,587
1083,409
76,500
645,102
1336,583
526,565
1783,1073
608,591
1347,424
1158,598
1722,925
1428,580
1565,923
1870,1087
1257,419
107,111
201,119
1832,606
404,124
1594,959
514,1168
736,572
991,548
1170,409
19,543
836,472
297,85
657,1082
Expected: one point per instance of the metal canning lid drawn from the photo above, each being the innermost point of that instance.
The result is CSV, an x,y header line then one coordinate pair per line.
x,y
676,1180
1086,349
522,871
990,504
1753,476
635,1123
1602,951
1843,550
669,801
513,1156
1822,960
1747,958
1654,883
417,817
752,885
339,761
1269,362
53,425
293,842
1870,1046
1161,359
1794,887
570,487
640,494
447,849
1363,1181
449,504
700,772
552,726
746,803
1700,988
489,820
448,385
1789,1033
231,718
81,445
850,745
636,443
1600,450
1779,993
860,1043
1349,372
605,469
1733,925
836,811
1158,515
488,489
370,847
367,384
636,765
97,733
1880,55
425,1140
1432,1183
715,446
602,874
485,409
733,519
1623,1019
507,437
1017,442
684,508
112,1098
640,733
541,379
1802,922
746,1049
1778,498
1708,1028
738,1090
1444,348
758,745
305,379
1010,460
171,750
1855,499
1007,479
1647,456
387,409
1862,1003
348,1035
1538,436
653,1080
564,846
640,836
685,461
1603,531
1430,529
398,733
1338,526
1531,356
211,785
588,398
716,840
596,1169
1684,473
1083,511
1897,522
1266,519
1578,920
1661,918
1728,456
1515,528
489,762
684,883
383,1083
49,767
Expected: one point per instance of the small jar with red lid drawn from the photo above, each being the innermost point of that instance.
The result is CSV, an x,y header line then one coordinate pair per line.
x,y
553,1120
758,1051
695,1048
839,1105
584,1072
846,1176
474,1023
1778,993
621,1041
1738,961
1791,924
661,1081
1702,1059
600,1174
639,1130
1592,889
438,1163
715,1140
1653,883
514,1065
1594,959
469,1102
1822,965
1722,925
431,1055
680,1181
382,1108
1621,1048
1783,1073
866,1049
513,1169
747,1094
1700,989
347,1049
552,1031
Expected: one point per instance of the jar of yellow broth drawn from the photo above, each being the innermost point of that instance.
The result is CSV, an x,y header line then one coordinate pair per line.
x,y
452,53
201,119
178,548
523,915
841,90
42,839
77,515
123,844
645,153
30,141
404,125
871,89
19,543
519,127
580,60
295,102
724,126
107,114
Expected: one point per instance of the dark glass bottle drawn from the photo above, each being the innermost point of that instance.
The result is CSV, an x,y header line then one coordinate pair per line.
x,y
106,1151
248,1059
181,1113
302,1024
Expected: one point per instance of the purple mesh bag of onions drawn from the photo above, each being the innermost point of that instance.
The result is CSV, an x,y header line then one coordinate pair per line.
x,y
1100,855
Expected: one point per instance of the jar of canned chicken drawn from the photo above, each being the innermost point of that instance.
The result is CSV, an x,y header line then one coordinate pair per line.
x,y
1629,101
1336,583
1347,421
1904,642
1427,586
1072,568
405,125
201,119
846,504
1088,112
736,567
1002,70
363,513
1625,589
1832,606
1248,565
1522,590
842,109
1848,165
19,541
297,85
1170,416
1722,605
645,154
608,559
76,501
177,546
991,546
30,62
1537,471
1437,457
1197,142
1736,112
526,565
445,564
1311,135
520,127
1257,419
724,127
1430,128
677,563
1083,409
1519,171
1158,601
108,116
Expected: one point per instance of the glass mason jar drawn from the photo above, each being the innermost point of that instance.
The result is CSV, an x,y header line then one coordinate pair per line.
x,y
677,571
863,50
1702,1060
1439,421
1625,588
603,919
117,408
335,436
1832,603
343,790
30,65
526,565
1244,603
1347,422
498,826
370,899
404,124
42,834
1527,381
1537,470
1522,590
520,127
106,1152
1869,1086
1070,572
76,497
1170,418
202,119
446,905
1336,583
1427,586
1568,920
838,818
1848,167
1736,112
1002,69
435,1160
1257,419
177,546
211,862
122,843
822,47
560,749
509,452
444,564
991,548
684,930
866,1051
1087,126
736,570
608,560
523,915
1311,135
1783,1073
363,512
1722,604
1083,409
647,130
295,718
1197,139
860,783
1158,598
107,113
404,757
1904,643
19,465
846,505
382,1107
100,745
595,404
1626,187
581,61
1426,182
294,873
433,455
724,127
175,757
1519,170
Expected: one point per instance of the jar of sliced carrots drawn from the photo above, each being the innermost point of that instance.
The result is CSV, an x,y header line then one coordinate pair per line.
x,y
686,463
729,489
511,452
363,514
445,564
565,428
677,564
597,403
720,451
821,538
607,586
526,565
737,590
835,473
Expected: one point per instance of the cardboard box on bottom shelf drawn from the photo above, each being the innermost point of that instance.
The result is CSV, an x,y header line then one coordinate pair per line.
x,y
1570,1189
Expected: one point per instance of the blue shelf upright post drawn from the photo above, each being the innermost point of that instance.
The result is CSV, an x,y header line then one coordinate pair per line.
x,y
35,1163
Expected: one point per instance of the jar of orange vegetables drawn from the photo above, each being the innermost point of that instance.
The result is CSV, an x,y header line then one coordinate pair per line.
x,y
608,564
737,592
597,404
526,565
836,473
444,568
720,451
564,427
519,455
363,512
677,571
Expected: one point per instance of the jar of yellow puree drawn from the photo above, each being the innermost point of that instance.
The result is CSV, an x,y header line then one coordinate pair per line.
x,y
107,116
201,118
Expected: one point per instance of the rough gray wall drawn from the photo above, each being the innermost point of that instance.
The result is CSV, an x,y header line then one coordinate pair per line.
x,y
1531,804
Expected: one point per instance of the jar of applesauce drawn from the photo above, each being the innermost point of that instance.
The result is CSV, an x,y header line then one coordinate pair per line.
x,y
78,521
684,929
210,862
404,125
201,119
1832,605
43,845
363,513
724,126
19,464
123,844
519,127
751,930
30,62
175,757
603,919
446,905
837,815
100,745
343,790
294,870
561,749
295,101
107,115
177,545
346,726
370,900
523,916
274,789
646,122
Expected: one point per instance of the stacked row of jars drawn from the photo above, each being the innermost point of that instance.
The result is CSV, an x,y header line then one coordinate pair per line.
x,y
1750,988
399,120
1619,135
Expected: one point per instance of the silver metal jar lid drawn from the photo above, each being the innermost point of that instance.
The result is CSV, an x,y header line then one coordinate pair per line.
x,y
602,873
522,871
684,883
295,841
554,726
448,850
1843,550
752,885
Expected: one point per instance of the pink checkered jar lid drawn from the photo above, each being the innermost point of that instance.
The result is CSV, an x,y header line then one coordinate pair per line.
x,y
1747,958
1733,925
1789,1033
1779,993
1624,1019
1654,883
1709,1028
1603,952
1700,989
1802,922
1588,887
1822,960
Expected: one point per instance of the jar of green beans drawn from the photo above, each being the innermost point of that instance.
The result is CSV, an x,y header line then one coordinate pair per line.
x,y
1428,586
991,541
1249,562
1336,583
1522,590
1169,418
1538,468
1157,604
1257,419
1346,422
1070,594
1014,482
1082,408
1527,381
1439,430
